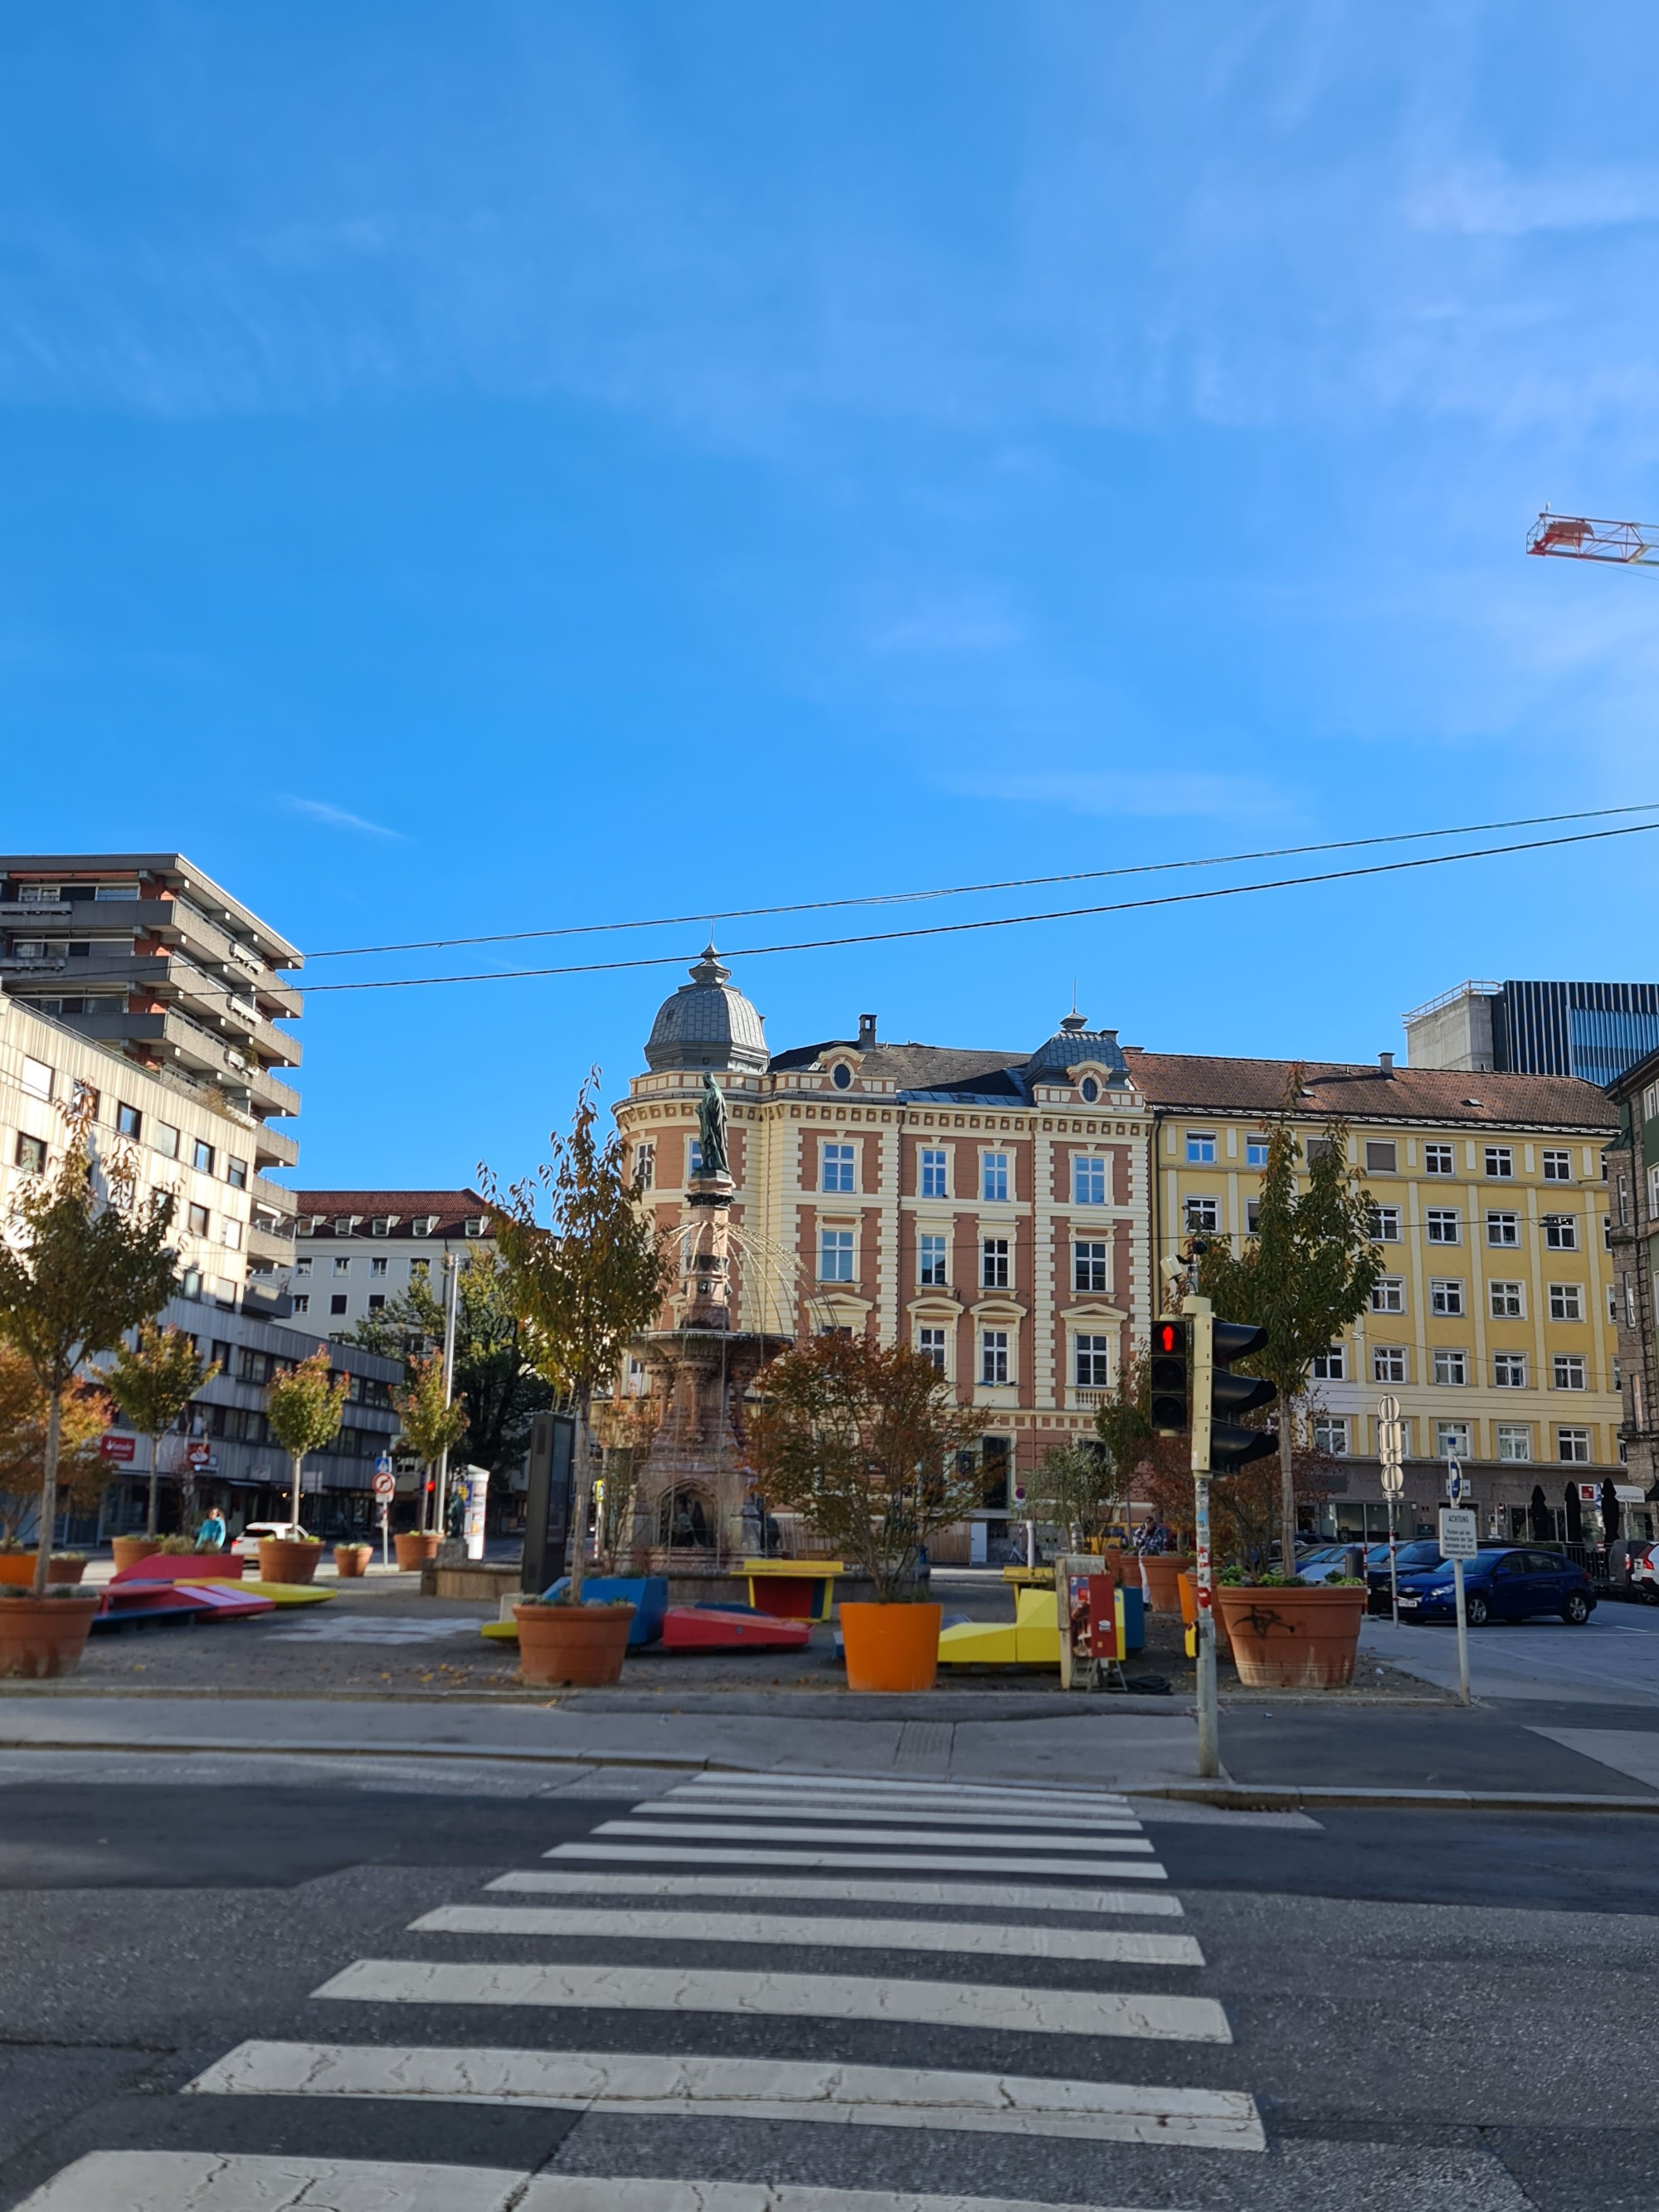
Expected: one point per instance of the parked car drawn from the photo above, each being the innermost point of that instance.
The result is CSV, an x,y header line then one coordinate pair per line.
x,y
1644,1572
1327,1559
1421,1554
247,1546
1503,1583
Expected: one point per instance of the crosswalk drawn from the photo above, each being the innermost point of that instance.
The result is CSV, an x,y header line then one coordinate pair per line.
x,y
725,2039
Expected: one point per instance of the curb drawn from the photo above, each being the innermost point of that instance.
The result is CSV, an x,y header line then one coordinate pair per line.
x,y
282,1748
1294,1797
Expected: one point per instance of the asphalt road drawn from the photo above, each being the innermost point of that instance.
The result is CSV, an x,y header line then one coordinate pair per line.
x,y
1613,1658
1418,2010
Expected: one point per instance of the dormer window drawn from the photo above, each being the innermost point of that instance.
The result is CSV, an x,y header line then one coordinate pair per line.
x,y
842,1076
381,1225
475,1224
1090,1089
345,1224
306,1226
423,1225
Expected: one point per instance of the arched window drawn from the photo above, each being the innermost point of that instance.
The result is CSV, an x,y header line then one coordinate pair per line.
x,y
682,1521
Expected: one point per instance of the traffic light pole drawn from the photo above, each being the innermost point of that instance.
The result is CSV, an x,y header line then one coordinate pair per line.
x,y
1201,1315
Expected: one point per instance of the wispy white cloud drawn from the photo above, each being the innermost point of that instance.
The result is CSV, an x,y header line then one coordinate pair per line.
x,y
336,818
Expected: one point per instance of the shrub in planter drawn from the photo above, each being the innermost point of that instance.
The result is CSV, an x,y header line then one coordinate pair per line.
x,y
17,1568
289,1558
41,1637
1292,1635
416,1548
1164,1571
351,1561
129,1550
867,1443
566,1641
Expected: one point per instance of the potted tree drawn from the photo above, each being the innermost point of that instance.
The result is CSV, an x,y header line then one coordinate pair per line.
x,y
82,1472
351,1561
432,1424
583,1283
867,1443
1305,1276
153,1381
87,1259
304,1405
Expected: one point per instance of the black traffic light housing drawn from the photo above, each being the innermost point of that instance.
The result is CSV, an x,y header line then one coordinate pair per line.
x,y
1232,1445
1171,1355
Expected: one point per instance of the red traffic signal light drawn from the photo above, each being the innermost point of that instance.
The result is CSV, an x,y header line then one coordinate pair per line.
x,y
1167,1409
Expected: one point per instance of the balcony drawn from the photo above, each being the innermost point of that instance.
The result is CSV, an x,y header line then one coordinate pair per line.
x,y
267,1247
172,1038
176,923
1081,1399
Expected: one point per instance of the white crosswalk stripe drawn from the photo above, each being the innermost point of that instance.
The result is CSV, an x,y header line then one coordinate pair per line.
x,y
754,1831
782,1784
673,1806
919,1861
745,2088
926,1795
998,1896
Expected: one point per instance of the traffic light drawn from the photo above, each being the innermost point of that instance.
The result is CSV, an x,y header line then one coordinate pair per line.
x,y
1169,1416
1229,1445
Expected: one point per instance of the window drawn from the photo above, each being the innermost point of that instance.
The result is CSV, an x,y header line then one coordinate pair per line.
x,y
930,1343
1566,1302
303,1267
1200,1147
230,1232
1330,1365
1568,1368
1629,1303
1089,1267
1255,1151
337,1303
1558,1167
1385,1225
835,1255
1445,1295
1623,1204
1252,1216
1090,1089
419,1271
37,1078
1514,1441
994,1176
993,1263
1451,1439
84,1094
235,1172
195,1220
1443,1224
1561,1232
1649,1097
379,1224
1505,1302
930,1254
1451,1368
1389,1294
1203,1215
190,1282
1436,1159
32,1154
1509,1370
693,1167
129,1121
1573,1446
377,1299
201,1157
165,1139
1331,1435
644,1166
1382,1156
1500,1161
302,1303
838,1167
1653,1195
842,1076
39,894
1607,1232
1504,1229
1318,1148
342,1265
1092,1365
1088,1181
993,1356
377,1266
1387,1363
935,1180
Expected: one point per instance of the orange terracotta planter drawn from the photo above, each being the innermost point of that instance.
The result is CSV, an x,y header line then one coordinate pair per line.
x,y
890,1647
1189,1614
43,1636
1301,1638
129,1549
1163,1573
351,1561
282,1559
17,1570
415,1548
579,1644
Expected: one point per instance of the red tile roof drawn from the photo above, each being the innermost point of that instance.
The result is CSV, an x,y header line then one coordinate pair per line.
x,y
451,1207
1457,1098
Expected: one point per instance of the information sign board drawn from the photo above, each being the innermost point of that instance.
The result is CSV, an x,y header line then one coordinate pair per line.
x,y
1460,1532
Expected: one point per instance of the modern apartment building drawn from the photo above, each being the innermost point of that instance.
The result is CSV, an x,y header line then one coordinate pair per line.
x,y
357,1248
1494,1324
1592,1030
146,956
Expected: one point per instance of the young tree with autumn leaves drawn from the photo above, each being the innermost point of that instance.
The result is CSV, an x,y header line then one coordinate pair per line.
x,y
153,1381
304,1407
433,1424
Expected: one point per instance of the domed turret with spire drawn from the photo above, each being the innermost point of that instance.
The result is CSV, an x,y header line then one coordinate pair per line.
x,y
707,1023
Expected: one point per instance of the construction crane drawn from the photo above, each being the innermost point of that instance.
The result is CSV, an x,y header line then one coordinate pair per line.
x,y
1583,538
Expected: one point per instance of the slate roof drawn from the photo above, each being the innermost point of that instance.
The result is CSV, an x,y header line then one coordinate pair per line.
x,y
1363,1091
955,1073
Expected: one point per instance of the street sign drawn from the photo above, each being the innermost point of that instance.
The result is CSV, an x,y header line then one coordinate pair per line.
x,y
1460,1532
1589,1493
123,1449
1454,1480
1019,1493
386,1485
383,1464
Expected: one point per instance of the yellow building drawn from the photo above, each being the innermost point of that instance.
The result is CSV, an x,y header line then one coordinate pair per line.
x,y
1493,1323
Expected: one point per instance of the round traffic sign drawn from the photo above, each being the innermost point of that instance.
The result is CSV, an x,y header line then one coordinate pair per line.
x,y
385,1486
1019,1493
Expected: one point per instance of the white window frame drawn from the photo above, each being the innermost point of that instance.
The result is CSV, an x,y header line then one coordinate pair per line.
x,y
836,1246
993,1369
1558,1165
996,1179
933,1249
995,1254
934,1172
1515,1442
1388,1295
1093,1350
1446,1301
1506,1299
37,1078
1572,1447
1566,1301
1509,1370
1568,1370
1503,1231
1200,1148
1499,1163
644,1165
1331,1435
1092,1256
1439,1160
1202,1215
1451,1439
837,1169
1449,1368
1090,1168
1382,1226
1331,1365
1560,1232
932,1342
1388,1363
1255,1151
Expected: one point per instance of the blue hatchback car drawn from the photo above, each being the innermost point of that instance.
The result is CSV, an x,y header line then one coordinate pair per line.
x,y
1505,1583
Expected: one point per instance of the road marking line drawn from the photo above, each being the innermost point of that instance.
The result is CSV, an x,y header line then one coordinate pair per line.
x,y
742,2088
1012,1898
1145,2014
749,1832
1119,1947
906,1785
915,1862
578,2193
906,1793
212,2181
673,1806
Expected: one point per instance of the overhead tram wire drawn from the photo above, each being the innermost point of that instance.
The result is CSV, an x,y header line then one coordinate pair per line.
x,y
999,921
967,891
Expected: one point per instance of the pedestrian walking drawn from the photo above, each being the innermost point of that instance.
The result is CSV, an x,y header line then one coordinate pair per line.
x,y
210,1536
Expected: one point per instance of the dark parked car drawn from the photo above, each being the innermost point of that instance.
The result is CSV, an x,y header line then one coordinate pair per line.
x,y
1409,1559
1503,1583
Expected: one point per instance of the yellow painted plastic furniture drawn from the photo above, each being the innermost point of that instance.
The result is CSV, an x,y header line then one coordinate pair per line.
x,y
1031,1638
288,1593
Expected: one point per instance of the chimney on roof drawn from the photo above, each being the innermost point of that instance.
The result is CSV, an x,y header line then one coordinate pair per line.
x,y
867,1031
1385,1061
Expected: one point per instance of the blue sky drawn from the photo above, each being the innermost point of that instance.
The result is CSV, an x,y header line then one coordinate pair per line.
x,y
528,465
